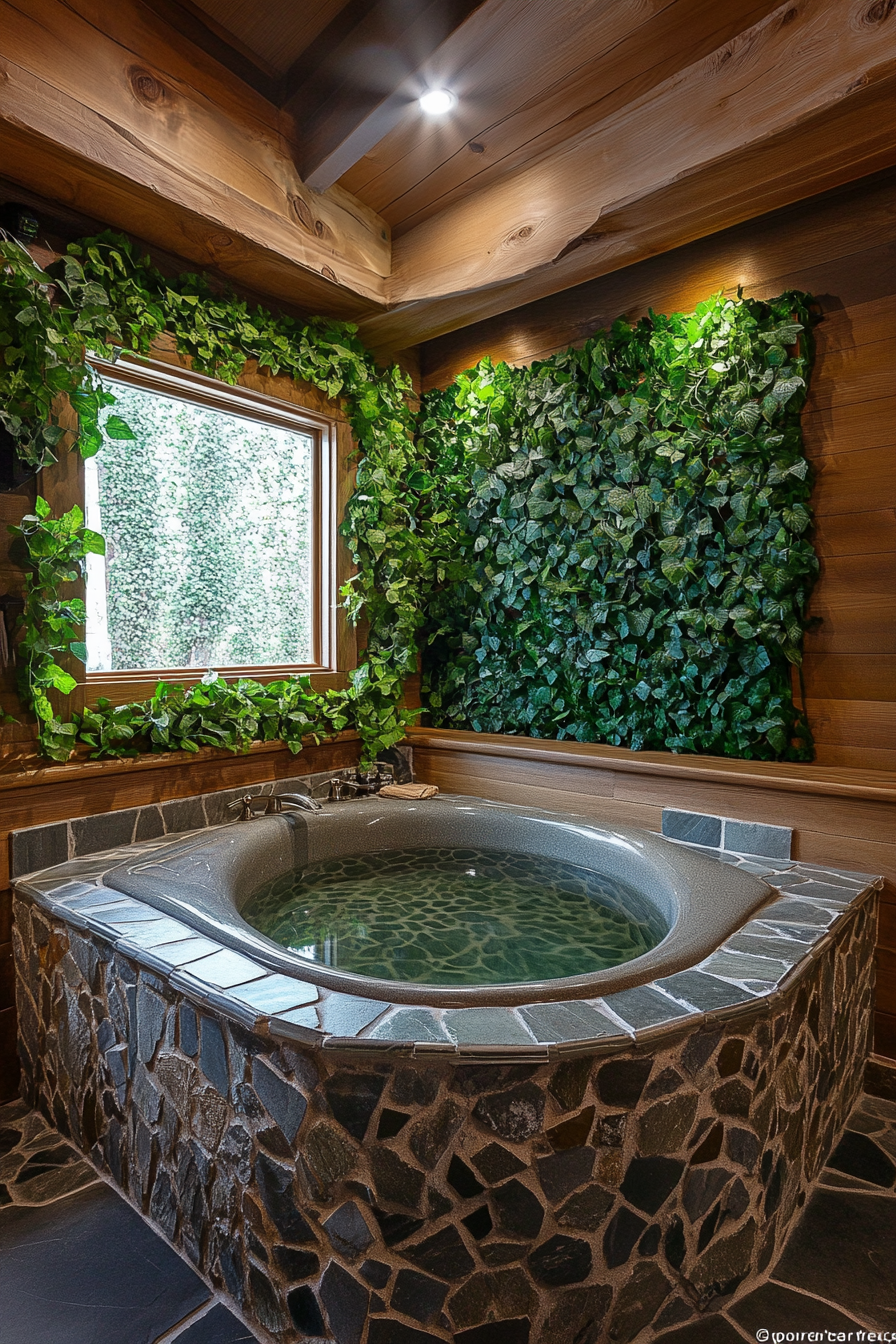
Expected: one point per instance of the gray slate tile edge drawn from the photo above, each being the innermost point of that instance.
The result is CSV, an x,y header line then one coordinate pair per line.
x,y
208,996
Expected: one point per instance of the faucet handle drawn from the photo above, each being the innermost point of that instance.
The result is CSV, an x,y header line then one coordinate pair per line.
x,y
245,804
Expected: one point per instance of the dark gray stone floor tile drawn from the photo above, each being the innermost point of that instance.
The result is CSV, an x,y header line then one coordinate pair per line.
x,y
346,1015
485,1026
789,910
776,1308
567,1022
410,1024
38,847
858,1155
757,837
218,1326
703,992
844,1249
89,1265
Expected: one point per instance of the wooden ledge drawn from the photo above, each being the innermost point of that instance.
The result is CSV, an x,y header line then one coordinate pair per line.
x,y
72,771
879,785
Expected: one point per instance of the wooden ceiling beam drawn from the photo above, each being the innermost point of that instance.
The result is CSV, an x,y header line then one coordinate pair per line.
x,y
202,32
357,80
154,138
805,56
845,142
520,96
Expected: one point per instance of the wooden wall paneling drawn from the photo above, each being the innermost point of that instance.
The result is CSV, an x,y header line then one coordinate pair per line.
x,y
856,373
9,1063
854,732
859,324
839,245
851,428
850,676
847,482
840,536
856,600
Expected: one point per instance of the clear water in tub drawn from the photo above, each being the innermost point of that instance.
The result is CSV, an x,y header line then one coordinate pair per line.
x,y
455,917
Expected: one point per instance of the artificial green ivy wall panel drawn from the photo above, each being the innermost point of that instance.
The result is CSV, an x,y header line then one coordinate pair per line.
x,y
631,562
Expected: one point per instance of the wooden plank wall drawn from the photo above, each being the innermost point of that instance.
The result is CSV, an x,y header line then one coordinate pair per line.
x,y
838,246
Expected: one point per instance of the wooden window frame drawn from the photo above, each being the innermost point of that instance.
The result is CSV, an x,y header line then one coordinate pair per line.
x,y
275,400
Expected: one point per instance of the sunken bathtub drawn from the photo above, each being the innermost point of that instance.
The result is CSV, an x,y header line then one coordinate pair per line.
x,y
397,1072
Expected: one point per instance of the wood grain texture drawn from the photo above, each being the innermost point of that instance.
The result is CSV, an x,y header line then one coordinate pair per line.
x,y
885,1035
843,534
168,150
848,482
851,428
855,598
850,676
9,1061
886,925
7,987
717,106
844,144
886,980
520,96
838,245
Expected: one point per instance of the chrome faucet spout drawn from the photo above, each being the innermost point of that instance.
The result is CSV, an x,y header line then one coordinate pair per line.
x,y
271,804
302,802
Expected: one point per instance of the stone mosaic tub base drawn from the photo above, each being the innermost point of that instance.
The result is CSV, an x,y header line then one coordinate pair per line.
x,y
372,1193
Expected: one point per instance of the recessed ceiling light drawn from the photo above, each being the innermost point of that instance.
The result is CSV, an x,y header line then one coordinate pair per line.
x,y
437,101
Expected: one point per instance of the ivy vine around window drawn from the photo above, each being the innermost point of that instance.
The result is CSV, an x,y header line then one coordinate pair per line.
x,y
102,295
633,562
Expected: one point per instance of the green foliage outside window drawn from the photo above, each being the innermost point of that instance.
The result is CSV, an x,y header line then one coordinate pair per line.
x,y
207,521
634,519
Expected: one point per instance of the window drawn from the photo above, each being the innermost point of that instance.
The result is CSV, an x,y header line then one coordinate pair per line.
x,y
218,528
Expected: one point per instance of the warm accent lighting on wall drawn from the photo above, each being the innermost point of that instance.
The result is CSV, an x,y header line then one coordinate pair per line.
x,y
437,101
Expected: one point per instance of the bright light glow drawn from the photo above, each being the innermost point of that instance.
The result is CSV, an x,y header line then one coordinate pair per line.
x,y
437,101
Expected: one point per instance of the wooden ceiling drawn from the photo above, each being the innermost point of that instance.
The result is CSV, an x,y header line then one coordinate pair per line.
x,y
282,143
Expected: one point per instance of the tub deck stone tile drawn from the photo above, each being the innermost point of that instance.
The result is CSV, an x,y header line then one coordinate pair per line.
x,y
225,969
486,1026
644,1006
572,1021
275,994
702,992
731,964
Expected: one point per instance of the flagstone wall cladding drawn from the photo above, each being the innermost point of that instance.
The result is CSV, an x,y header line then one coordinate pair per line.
x,y
402,1201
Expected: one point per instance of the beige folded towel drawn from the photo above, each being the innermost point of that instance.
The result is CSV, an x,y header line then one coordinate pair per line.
x,y
408,791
